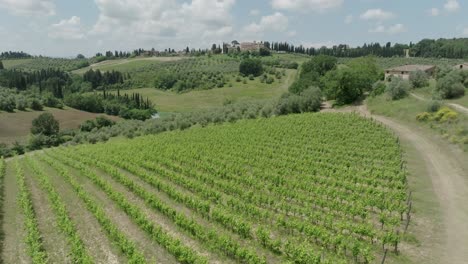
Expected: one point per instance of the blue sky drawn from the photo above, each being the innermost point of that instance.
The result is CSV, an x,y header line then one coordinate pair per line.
x,y
67,27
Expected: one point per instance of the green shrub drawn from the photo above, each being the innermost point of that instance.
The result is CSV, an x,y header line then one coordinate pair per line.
x,y
87,125
21,103
36,105
378,88
434,106
398,88
450,86
424,117
7,100
445,114
270,80
45,124
251,67
419,79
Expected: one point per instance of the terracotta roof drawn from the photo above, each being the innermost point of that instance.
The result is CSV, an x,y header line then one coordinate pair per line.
x,y
411,68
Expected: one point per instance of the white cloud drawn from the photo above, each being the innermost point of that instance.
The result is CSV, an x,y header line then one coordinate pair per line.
x,y
377,29
318,45
254,12
29,7
67,29
377,14
434,12
452,5
397,28
465,31
306,5
394,29
292,33
164,22
349,19
276,22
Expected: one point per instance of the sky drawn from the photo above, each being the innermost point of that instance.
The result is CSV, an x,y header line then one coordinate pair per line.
x,y
65,28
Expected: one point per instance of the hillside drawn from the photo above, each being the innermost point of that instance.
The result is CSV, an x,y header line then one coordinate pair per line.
x,y
17,126
169,101
265,190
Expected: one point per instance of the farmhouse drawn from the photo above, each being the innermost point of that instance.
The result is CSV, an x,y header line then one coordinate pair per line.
x,y
405,70
251,46
463,66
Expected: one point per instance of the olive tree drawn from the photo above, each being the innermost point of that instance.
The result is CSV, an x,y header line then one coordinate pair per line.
x,y
419,79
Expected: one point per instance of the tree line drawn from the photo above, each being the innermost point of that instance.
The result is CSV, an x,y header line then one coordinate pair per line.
x,y
96,78
428,48
51,80
14,55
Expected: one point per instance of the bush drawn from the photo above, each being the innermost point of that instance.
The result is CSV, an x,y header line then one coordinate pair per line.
x,y
36,105
18,148
423,117
102,121
434,106
45,124
166,81
270,80
40,141
7,100
310,100
87,126
251,67
21,103
419,79
5,151
397,88
50,101
378,88
445,114
264,52
450,86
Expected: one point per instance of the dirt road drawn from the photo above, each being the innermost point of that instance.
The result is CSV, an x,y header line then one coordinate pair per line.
x,y
450,183
457,107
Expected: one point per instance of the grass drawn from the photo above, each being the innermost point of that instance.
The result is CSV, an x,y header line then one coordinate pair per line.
x,y
127,65
167,101
406,110
426,92
16,126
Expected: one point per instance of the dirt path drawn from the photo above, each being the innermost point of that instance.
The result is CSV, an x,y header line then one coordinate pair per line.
x,y
449,181
456,106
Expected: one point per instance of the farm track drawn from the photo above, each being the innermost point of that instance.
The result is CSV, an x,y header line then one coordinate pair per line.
x,y
458,107
449,181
